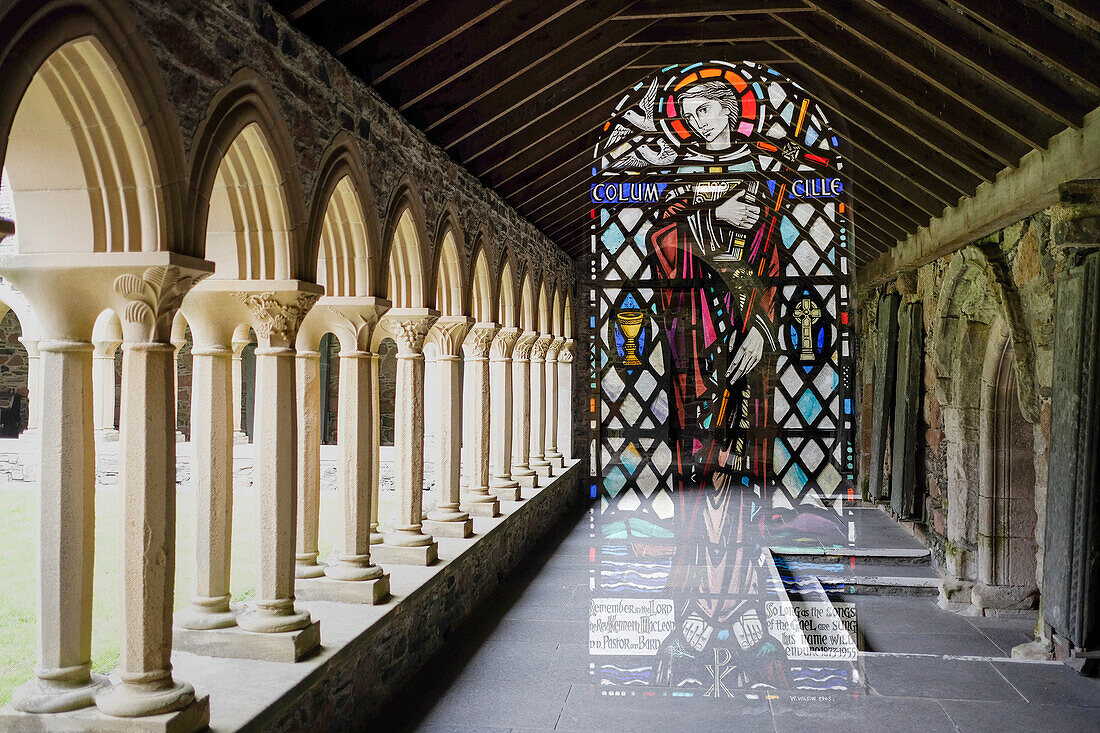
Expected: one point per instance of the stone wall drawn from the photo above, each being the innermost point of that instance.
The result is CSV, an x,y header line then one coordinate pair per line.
x,y
996,291
201,44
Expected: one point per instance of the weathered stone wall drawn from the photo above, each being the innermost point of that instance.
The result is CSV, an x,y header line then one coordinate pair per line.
x,y
997,290
200,44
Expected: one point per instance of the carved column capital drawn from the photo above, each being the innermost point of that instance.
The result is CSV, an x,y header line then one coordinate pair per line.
x,y
353,319
409,328
503,344
277,314
148,304
526,340
554,349
538,351
566,353
448,333
479,340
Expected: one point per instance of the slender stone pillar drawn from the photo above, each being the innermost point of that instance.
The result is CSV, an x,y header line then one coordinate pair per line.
x,y
521,411
307,381
239,345
147,480
407,543
179,340
447,519
553,455
477,500
276,316
34,382
103,387
212,478
376,537
565,400
353,577
66,532
538,405
501,483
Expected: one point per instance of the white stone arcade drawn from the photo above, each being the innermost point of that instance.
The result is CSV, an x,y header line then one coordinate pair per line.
x,y
227,249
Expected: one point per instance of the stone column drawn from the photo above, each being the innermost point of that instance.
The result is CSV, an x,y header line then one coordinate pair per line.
x,y
66,530
353,578
521,411
34,382
276,314
565,400
212,479
376,537
103,387
407,543
477,500
501,483
179,340
447,519
147,482
553,455
239,344
538,405
307,384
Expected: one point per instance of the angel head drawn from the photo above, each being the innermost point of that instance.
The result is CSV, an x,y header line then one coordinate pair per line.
x,y
712,110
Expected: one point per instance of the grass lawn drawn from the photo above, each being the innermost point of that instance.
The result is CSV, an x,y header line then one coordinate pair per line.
x,y
17,600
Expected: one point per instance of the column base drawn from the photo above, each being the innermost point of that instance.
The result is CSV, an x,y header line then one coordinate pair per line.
x,y
424,555
236,643
129,700
483,508
543,469
557,462
369,592
180,437
56,696
304,570
505,493
377,538
240,438
194,717
461,529
198,618
530,481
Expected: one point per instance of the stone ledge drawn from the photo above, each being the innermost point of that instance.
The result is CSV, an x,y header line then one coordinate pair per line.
x,y
343,591
425,555
236,643
194,717
449,529
368,651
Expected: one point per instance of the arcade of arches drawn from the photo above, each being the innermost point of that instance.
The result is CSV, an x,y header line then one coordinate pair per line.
x,y
215,257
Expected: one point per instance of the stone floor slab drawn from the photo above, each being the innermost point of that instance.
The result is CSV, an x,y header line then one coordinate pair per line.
x,y
977,717
1054,682
867,714
901,676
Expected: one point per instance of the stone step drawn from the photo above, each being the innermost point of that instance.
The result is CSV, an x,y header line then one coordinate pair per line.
x,y
874,556
879,585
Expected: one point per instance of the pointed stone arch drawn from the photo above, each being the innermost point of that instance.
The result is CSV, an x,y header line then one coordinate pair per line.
x,y
528,318
543,315
245,203
507,295
344,231
567,317
449,287
92,141
556,317
481,301
404,240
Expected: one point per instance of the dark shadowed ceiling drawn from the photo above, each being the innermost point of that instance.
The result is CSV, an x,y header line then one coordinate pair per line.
x,y
937,96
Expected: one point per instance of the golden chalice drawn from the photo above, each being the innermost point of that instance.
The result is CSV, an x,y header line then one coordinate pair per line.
x,y
631,324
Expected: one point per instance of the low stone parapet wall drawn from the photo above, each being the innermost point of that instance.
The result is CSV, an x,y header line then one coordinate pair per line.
x,y
369,652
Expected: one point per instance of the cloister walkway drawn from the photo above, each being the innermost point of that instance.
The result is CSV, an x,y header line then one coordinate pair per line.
x,y
523,664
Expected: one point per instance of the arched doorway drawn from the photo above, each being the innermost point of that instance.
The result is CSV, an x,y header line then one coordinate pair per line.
x,y
1007,544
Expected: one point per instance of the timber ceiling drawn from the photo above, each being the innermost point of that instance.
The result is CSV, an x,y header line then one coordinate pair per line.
x,y
937,95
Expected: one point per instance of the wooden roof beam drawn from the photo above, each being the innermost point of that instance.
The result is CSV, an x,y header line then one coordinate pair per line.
x,y
993,57
678,33
1050,38
1013,113
651,9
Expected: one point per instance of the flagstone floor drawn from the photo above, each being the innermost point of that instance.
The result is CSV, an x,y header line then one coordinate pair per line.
x,y
525,664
